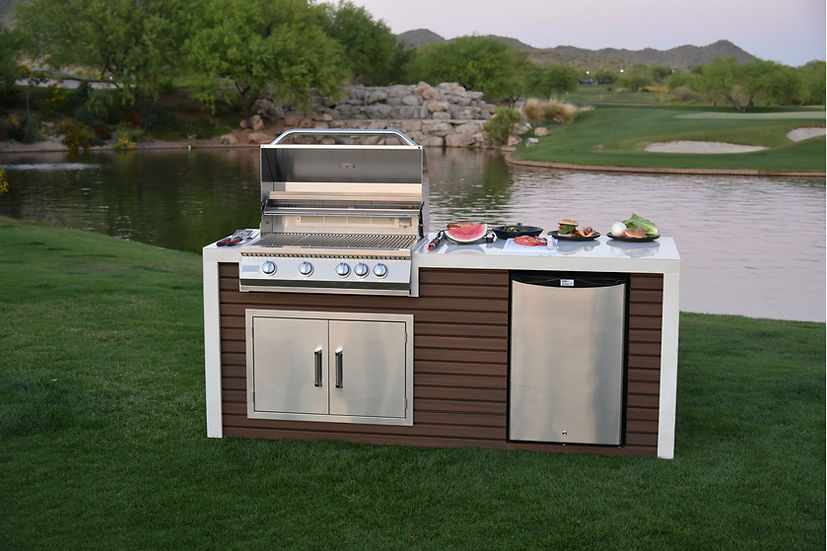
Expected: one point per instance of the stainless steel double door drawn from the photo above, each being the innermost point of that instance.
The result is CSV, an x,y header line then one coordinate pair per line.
x,y
567,357
318,366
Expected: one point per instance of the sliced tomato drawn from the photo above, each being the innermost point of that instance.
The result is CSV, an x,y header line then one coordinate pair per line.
x,y
529,241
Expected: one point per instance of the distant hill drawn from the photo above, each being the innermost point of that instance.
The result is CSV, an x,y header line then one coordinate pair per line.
x,y
609,58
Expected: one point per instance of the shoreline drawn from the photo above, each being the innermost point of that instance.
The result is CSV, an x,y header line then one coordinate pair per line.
x,y
50,146
663,170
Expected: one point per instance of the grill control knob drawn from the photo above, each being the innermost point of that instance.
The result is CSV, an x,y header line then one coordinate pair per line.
x,y
361,269
305,268
269,267
380,270
342,269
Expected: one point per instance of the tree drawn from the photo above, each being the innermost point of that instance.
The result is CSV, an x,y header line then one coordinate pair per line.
x,y
132,43
552,79
743,85
605,76
812,83
635,78
370,48
475,62
261,48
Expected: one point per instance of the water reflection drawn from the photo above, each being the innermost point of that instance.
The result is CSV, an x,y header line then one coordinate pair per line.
x,y
751,246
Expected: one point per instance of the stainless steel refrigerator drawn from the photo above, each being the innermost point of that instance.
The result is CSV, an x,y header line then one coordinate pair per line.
x,y
567,357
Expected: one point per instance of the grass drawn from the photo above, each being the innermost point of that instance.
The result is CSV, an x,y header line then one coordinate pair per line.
x,y
616,135
104,441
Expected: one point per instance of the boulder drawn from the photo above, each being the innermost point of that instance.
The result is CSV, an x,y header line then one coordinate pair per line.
x,y
269,109
436,106
514,140
412,100
468,127
441,116
259,137
256,122
541,131
375,96
431,141
228,139
435,128
459,140
292,120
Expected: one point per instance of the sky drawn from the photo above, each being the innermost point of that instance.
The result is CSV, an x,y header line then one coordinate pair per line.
x,y
785,31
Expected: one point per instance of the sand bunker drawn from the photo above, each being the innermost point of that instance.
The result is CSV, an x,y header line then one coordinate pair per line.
x,y
806,132
686,146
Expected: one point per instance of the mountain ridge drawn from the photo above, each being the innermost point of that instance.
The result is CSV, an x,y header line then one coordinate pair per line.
x,y
683,56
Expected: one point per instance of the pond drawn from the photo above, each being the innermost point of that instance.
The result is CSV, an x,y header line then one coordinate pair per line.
x,y
749,246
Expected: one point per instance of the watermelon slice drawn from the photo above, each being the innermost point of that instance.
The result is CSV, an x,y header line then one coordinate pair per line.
x,y
467,234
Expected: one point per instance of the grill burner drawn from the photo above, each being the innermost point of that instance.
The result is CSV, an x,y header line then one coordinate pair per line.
x,y
337,218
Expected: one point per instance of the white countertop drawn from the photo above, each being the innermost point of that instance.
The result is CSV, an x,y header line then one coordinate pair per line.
x,y
601,254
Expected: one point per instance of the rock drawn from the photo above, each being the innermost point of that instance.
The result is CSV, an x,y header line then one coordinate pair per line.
x,y
412,100
459,140
468,128
541,131
228,139
268,108
514,140
532,141
378,111
259,137
376,96
244,124
398,91
431,141
441,115
434,128
292,120
256,123
436,106
410,126
522,127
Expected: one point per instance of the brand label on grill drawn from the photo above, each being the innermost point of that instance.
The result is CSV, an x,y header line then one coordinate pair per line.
x,y
566,283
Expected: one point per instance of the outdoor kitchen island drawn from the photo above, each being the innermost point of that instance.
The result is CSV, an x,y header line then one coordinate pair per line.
x,y
452,353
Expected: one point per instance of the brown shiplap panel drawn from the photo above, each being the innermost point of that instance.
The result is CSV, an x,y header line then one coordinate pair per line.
x,y
466,343
466,406
641,450
453,291
646,281
642,401
568,448
464,318
460,381
644,349
641,439
233,371
459,368
645,309
644,375
460,330
440,276
380,439
418,429
646,295
234,408
233,383
645,322
233,359
644,335
448,393
232,322
636,387
641,426
228,269
459,419
235,334
233,347
473,356
235,396
642,414
644,362
226,284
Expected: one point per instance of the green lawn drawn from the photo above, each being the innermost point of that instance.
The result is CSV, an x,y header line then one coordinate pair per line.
x,y
616,135
104,442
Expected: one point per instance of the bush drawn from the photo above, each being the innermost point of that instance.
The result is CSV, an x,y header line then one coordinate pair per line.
x,y
31,131
125,137
552,111
501,125
75,134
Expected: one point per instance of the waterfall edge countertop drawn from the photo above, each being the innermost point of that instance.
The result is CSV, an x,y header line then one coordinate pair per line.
x,y
601,254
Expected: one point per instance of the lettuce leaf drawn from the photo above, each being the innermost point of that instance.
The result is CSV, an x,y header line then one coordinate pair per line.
x,y
639,222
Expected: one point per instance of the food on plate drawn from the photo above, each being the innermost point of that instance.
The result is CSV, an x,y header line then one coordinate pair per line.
x,y
650,228
467,234
618,228
529,241
634,233
588,231
456,225
567,225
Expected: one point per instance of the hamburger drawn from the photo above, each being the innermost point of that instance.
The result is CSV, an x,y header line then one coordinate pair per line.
x,y
635,233
567,226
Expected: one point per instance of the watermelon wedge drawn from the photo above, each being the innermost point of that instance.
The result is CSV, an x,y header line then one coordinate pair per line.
x,y
467,234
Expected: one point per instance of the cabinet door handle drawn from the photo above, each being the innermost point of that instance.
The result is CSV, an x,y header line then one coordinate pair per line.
x,y
339,368
317,362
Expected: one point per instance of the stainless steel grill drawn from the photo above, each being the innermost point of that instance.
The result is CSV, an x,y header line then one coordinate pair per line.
x,y
338,216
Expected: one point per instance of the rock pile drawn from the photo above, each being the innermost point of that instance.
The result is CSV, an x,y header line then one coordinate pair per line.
x,y
433,116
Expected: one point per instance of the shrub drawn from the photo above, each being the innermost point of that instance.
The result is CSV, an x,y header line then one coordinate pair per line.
x,y
32,130
125,137
4,184
549,111
75,134
501,125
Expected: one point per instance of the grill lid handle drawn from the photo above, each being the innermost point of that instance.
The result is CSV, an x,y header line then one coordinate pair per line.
x,y
342,131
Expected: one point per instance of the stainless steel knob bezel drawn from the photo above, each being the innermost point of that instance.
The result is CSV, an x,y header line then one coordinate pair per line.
x,y
380,270
342,269
305,268
269,267
361,270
